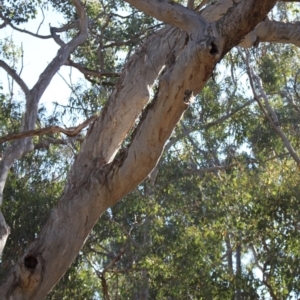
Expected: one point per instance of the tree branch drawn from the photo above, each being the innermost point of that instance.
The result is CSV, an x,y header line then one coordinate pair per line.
x,y
56,37
170,12
90,72
273,32
191,4
4,232
130,96
64,28
15,76
8,22
255,256
52,129
240,12
72,25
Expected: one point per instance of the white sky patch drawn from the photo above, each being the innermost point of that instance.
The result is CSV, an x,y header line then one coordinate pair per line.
x,y
38,53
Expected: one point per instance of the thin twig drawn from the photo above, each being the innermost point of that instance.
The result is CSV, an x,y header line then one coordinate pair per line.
x,y
37,32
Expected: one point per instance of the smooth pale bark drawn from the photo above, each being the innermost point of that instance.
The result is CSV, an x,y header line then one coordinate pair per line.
x,y
4,232
273,32
130,96
266,31
170,12
98,177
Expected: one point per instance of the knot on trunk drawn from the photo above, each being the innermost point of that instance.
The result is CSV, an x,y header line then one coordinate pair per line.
x,y
30,262
29,272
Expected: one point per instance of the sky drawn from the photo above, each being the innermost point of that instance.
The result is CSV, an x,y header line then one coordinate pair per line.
x,y
37,54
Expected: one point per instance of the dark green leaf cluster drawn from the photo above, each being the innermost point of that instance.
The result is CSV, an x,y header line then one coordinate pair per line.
x,y
220,220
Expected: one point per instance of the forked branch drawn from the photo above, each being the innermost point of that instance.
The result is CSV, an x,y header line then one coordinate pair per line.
x,y
15,76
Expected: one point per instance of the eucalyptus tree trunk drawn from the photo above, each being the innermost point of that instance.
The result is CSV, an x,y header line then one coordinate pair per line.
x,y
181,57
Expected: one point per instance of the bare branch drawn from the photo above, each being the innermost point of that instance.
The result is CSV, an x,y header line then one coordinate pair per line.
x,y
109,265
56,37
122,17
59,60
8,22
37,31
51,129
30,33
240,12
72,25
15,76
222,119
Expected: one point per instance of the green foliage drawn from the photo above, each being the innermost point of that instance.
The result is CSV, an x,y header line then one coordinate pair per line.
x,y
268,72
19,11
226,185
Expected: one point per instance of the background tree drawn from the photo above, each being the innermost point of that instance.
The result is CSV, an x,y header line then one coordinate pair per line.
x,y
217,215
